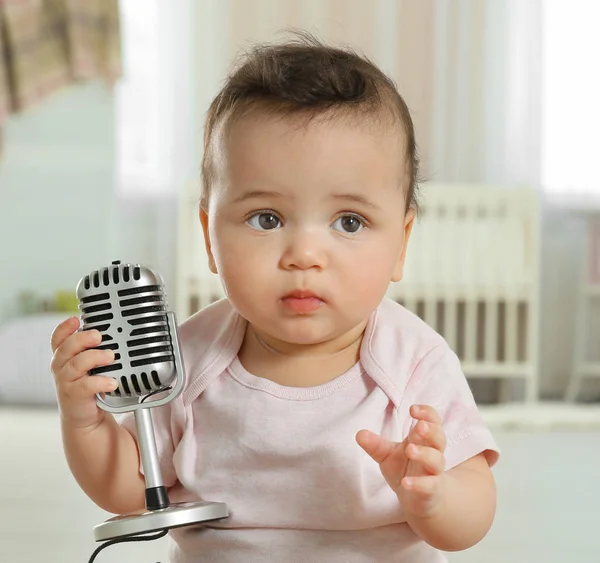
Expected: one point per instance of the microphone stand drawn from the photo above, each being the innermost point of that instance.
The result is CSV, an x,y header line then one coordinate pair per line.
x,y
159,514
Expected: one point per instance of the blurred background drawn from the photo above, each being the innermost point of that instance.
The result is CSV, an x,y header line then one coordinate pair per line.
x,y
101,114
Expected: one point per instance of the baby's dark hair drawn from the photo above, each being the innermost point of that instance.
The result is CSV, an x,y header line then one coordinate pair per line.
x,y
306,78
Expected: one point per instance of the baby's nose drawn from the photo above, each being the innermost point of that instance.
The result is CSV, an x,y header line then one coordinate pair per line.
x,y
304,251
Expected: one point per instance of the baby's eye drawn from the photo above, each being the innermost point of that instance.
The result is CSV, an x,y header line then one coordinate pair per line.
x,y
265,221
349,224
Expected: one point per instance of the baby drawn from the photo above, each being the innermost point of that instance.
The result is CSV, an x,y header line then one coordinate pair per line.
x,y
335,424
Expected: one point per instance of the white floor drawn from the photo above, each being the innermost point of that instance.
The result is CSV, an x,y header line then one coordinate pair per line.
x,y
548,480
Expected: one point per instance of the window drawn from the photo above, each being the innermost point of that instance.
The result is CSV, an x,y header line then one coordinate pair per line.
x,y
139,162
571,90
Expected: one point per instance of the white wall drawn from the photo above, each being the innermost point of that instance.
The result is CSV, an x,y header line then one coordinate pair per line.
x,y
60,215
56,193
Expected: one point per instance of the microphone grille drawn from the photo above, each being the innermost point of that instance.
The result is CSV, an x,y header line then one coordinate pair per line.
x,y
127,304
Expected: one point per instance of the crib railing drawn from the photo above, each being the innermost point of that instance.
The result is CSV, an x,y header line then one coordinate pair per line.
x,y
472,273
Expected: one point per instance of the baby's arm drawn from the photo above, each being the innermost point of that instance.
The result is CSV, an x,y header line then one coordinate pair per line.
x,y
105,463
450,510
102,456
466,510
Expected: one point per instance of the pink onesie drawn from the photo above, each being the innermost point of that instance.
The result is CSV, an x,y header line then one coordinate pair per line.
x,y
298,487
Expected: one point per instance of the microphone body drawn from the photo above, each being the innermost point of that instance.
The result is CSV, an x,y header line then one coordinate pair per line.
x,y
127,304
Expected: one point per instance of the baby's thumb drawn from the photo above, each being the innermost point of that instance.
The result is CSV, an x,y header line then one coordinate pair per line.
x,y
377,447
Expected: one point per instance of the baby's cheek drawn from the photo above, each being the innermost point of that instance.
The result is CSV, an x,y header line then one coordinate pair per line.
x,y
372,277
233,258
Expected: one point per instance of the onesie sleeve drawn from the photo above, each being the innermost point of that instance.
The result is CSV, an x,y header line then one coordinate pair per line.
x,y
163,433
438,381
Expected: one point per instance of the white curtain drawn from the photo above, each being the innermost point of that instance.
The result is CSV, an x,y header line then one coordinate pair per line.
x,y
469,71
487,88
156,130
396,34
571,114
154,99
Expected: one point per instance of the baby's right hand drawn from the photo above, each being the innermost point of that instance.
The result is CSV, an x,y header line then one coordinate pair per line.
x,y
76,390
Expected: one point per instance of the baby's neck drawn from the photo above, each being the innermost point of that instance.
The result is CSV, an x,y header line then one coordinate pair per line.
x,y
299,366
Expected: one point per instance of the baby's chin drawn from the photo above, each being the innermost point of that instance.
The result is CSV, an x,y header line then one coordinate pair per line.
x,y
295,339
306,336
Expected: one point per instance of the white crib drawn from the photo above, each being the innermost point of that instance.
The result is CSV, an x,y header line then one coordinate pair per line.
x,y
472,273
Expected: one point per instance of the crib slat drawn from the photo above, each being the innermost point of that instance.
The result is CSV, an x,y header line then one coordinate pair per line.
x,y
471,273
471,330
491,330
450,320
431,312
511,329
411,302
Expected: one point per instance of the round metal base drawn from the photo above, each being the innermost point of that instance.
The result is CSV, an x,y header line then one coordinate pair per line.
x,y
174,516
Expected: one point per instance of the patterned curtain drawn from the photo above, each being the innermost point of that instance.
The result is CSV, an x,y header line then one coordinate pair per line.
x,y
48,44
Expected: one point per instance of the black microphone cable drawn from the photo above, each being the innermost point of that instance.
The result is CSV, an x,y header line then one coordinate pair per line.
x,y
155,393
144,537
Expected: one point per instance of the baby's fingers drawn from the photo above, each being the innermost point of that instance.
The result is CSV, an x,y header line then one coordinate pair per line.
x,y
82,363
90,385
63,331
377,447
72,346
425,412
422,495
428,434
426,485
430,459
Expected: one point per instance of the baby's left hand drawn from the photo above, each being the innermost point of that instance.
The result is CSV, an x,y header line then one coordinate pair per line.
x,y
413,468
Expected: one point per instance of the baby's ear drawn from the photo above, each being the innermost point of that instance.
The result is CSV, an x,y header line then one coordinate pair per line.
x,y
409,220
211,259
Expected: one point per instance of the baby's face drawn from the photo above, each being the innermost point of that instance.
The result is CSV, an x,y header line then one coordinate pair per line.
x,y
307,225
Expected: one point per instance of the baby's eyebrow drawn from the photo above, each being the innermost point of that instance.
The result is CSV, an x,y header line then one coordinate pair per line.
x,y
255,194
356,198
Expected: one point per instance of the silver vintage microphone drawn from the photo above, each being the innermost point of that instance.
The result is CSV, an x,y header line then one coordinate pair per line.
x,y
127,304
